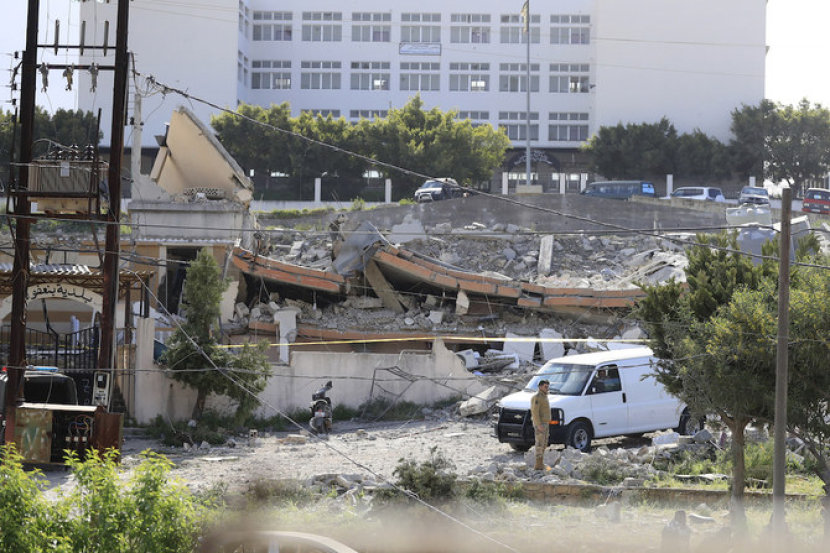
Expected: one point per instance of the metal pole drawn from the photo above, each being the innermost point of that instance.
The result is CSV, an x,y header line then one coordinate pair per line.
x,y
779,465
527,122
22,210
111,269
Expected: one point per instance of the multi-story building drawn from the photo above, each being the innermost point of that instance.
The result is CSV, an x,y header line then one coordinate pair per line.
x,y
591,63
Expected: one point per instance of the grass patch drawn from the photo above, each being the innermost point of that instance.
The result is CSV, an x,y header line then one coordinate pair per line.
x,y
382,409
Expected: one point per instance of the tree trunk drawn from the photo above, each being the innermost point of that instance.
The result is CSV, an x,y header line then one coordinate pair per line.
x,y
199,407
738,512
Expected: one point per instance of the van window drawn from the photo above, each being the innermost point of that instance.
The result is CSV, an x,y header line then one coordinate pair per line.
x,y
606,379
565,379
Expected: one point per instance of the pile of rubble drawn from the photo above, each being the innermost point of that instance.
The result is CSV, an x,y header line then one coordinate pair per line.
x,y
579,261
507,252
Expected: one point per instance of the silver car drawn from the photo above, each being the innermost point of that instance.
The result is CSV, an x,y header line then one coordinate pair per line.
x,y
754,195
699,193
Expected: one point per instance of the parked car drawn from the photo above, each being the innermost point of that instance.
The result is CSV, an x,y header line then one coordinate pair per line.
x,y
754,195
438,189
620,189
40,385
816,200
699,193
594,395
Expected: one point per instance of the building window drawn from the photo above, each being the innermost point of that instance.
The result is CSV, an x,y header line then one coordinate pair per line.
x,y
470,28
513,77
570,78
322,27
420,76
324,113
320,75
476,118
358,114
570,29
270,75
512,29
371,27
474,115
264,30
370,75
568,127
469,77
412,32
515,124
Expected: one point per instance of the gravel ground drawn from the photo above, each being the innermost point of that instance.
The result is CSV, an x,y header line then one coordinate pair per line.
x,y
372,449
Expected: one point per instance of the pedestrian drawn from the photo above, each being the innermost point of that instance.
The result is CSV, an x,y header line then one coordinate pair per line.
x,y
540,415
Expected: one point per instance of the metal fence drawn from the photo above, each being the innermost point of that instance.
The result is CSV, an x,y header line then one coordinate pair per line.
x,y
76,354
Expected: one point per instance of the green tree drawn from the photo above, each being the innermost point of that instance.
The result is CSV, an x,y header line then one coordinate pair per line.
x,y
252,139
633,150
682,326
63,128
808,404
700,156
194,354
417,141
435,143
788,143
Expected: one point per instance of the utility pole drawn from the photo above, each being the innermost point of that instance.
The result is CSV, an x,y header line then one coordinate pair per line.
x,y
22,208
113,218
779,460
526,14
22,211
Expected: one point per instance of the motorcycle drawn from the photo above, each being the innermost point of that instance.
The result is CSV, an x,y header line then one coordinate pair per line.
x,y
320,422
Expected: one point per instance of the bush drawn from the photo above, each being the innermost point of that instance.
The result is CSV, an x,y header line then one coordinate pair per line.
x,y
149,513
601,471
431,479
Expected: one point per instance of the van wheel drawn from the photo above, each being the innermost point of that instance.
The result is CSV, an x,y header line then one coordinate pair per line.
x,y
579,437
687,425
520,447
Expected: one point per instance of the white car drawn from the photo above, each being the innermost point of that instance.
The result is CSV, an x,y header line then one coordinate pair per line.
x,y
754,195
699,193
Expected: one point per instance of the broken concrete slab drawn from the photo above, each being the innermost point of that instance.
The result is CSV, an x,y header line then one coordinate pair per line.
x,y
522,346
409,230
551,343
481,402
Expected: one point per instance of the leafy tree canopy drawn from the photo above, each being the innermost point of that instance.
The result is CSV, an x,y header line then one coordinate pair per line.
x,y
789,143
63,128
193,351
410,142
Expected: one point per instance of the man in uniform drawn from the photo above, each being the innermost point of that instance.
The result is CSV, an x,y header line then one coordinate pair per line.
x,y
540,414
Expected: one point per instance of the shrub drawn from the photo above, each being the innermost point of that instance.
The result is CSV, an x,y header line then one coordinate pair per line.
x,y
150,513
430,479
602,471
358,204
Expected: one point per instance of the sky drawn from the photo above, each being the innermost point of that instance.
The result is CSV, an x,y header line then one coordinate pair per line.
x,y
797,61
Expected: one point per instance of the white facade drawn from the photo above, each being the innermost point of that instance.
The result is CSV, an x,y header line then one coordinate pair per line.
x,y
593,62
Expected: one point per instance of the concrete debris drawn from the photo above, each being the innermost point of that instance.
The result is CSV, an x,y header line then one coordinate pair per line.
x,y
481,403
513,283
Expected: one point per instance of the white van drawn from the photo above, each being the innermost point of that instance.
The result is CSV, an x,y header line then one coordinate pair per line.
x,y
594,395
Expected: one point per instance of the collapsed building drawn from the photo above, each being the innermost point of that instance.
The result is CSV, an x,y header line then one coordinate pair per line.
x,y
405,310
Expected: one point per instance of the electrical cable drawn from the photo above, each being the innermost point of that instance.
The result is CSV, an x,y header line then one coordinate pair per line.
x,y
355,462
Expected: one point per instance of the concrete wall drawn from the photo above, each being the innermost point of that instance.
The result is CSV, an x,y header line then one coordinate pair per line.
x,y
437,375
